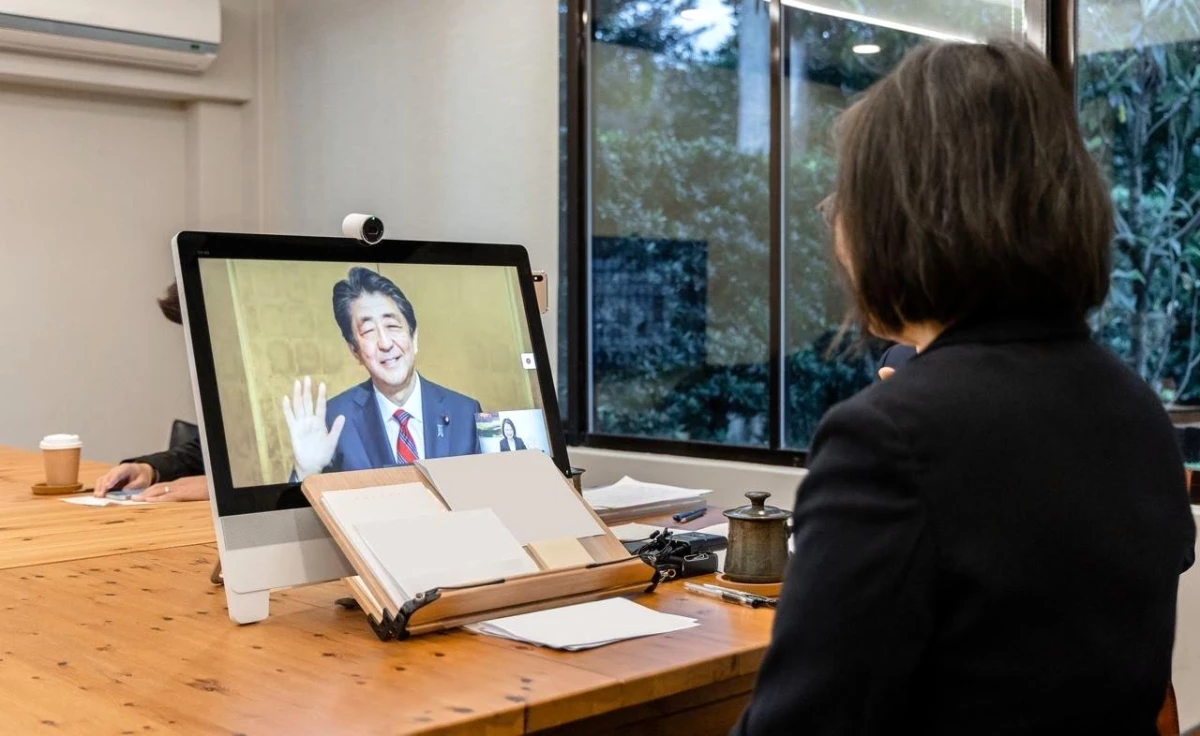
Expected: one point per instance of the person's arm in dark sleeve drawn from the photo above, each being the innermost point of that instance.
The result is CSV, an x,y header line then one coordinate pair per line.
x,y
178,462
856,610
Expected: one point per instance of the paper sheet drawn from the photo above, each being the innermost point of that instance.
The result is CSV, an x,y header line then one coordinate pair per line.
x,y
585,625
525,489
634,532
556,554
94,501
379,503
628,492
455,548
720,530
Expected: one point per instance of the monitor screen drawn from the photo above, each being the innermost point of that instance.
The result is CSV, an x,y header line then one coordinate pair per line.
x,y
309,365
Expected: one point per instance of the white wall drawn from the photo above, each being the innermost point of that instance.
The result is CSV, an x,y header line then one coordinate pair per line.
x,y
442,118
102,165
93,192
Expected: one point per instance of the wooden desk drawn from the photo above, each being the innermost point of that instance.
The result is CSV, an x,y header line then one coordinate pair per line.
x,y
140,642
42,529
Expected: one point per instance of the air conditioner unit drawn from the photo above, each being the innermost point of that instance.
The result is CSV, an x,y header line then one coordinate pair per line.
x,y
180,35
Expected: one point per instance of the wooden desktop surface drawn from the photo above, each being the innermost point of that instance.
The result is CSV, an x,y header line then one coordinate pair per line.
x,y
42,529
102,641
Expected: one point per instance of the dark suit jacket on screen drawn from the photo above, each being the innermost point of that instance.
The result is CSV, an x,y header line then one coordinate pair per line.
x,y
506,447
988,542
364,442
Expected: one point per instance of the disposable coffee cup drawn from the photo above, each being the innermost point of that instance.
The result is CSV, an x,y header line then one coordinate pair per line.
x,y
60,453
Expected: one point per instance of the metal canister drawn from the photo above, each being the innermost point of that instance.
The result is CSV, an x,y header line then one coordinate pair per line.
x,y
758,541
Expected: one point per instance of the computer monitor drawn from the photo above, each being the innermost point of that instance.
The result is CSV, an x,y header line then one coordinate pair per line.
x,y
314,355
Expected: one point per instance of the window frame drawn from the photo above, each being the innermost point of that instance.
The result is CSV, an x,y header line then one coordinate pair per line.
x,y
1049,26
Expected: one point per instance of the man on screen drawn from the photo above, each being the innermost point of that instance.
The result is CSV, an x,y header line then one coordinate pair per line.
x,y
396,417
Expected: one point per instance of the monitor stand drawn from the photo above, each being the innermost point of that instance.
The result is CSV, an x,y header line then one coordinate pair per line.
x,y
273,550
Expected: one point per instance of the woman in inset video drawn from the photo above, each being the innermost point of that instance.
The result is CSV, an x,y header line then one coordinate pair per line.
x,y
511,441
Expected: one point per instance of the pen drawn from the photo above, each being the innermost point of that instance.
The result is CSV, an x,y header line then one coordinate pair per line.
x,y
684,517
741,599
769,602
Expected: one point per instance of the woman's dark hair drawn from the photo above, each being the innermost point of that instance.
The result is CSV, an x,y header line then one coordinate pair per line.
x,y
360,281
169,304
508,423
964,190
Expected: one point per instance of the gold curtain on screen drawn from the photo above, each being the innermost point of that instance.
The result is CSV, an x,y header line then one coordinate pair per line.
x,y
272,322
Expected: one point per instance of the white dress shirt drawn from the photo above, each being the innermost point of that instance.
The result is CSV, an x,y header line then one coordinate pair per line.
x,y
416,425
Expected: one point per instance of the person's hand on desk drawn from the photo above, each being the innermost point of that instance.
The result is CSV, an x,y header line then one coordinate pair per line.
x,y
134,476
194,488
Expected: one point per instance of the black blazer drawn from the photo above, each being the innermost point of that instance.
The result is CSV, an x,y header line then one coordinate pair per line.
x,y
505,447
896,356
178,462
989,542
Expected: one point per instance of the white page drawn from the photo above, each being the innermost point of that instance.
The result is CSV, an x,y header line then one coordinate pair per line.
x,y
628,492
445,550
525,489
635,532
94,501
719,530
379,503
586,625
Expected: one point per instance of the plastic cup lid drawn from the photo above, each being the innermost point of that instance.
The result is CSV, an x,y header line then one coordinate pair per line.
x,y
60,442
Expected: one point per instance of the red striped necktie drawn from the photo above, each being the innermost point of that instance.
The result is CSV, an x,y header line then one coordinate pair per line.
x,y
406,449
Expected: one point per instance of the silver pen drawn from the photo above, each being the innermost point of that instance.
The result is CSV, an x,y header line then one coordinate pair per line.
x,y
729,596
764,599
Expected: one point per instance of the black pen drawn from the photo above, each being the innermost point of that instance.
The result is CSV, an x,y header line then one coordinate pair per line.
x,y
684,517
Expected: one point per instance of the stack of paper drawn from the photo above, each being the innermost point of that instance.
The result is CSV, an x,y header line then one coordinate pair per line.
x,y
446,550
631,499
412,544
379,503
585,625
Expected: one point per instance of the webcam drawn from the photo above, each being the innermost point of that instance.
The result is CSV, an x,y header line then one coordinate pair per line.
x,y
367,228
